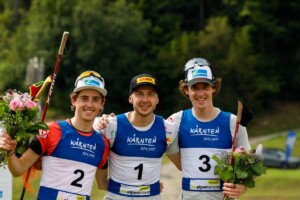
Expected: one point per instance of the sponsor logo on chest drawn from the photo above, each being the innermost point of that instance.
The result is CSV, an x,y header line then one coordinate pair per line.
x,y
208,134
205,131
88,149
146,143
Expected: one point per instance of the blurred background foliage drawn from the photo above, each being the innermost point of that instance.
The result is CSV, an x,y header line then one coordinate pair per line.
x,y
253,45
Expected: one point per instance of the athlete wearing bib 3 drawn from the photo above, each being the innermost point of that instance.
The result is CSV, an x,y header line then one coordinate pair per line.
x,y
73,153
204,130
138,140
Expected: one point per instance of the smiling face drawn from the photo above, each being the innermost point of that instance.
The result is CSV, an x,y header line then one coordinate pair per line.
x,y
144,100
88,104
201,95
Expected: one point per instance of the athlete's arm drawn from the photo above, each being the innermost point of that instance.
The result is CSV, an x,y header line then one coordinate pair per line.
x,y
111,127
173,149
18,166
102,179
175,158
46,141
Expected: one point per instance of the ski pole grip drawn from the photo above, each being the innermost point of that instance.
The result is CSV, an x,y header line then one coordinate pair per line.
x,y
63,43
239,111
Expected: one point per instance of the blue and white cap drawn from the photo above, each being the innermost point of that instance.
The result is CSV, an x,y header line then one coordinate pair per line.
x,y
90,80
198,70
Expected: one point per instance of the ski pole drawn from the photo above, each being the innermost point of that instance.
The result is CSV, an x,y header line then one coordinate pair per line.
x,y
53,77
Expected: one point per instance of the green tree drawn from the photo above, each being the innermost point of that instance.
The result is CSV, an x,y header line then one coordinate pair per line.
x,y
273,34
11,14
252,45
197,44
105,36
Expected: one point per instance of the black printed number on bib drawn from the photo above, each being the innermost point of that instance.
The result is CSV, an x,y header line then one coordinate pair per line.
x,y
140,168
205,160
76,181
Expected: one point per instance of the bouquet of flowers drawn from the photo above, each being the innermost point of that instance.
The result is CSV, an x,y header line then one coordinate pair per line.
x,y
246,166
19,116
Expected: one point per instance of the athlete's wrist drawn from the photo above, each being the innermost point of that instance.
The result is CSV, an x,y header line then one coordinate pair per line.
x,y
10,154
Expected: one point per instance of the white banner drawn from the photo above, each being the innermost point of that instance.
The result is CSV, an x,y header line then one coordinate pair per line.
x,y
5,184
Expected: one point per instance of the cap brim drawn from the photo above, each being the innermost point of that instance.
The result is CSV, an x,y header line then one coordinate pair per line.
x,y
143,84
101,90
200,80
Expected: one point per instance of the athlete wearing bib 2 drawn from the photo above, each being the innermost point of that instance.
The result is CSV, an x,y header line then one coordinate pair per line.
x,y
73,153
138,140
204,130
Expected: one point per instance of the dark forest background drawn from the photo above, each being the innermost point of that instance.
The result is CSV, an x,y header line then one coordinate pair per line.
x,y
252,44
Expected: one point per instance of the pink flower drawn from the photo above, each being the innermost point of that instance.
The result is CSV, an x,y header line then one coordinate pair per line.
x,y
30,104
240,149
16,104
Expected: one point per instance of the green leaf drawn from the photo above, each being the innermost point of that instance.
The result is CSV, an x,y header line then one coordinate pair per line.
x,y
216,158
227,176
33,129
249,183
259,168
241,174
20,134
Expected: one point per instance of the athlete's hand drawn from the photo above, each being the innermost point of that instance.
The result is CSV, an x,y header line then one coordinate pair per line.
x,y
161,186
7,143
234,190
103,121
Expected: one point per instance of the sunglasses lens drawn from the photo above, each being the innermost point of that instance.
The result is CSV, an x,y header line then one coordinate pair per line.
x,y
191,63
89,73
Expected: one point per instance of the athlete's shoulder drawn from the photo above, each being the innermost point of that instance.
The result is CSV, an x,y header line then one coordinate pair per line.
x,y
227,114
53,128
175,117
169,125
112,119
53,125
50,138
171,131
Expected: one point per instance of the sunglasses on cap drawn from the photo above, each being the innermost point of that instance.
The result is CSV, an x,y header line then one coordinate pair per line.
x,y
90,80
195,62
87,74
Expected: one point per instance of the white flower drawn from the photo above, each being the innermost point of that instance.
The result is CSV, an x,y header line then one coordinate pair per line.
x,y
258,150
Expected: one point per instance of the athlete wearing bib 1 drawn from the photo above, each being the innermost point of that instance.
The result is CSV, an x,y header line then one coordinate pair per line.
x,y
136,156
138,140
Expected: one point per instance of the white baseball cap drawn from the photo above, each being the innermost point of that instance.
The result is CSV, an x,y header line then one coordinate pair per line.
x,y
90,80
198,70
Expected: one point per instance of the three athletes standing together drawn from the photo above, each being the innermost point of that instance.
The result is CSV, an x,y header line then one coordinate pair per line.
x,y
132,144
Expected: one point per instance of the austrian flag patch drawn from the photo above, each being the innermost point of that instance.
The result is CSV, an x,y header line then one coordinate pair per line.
x,y
43,133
